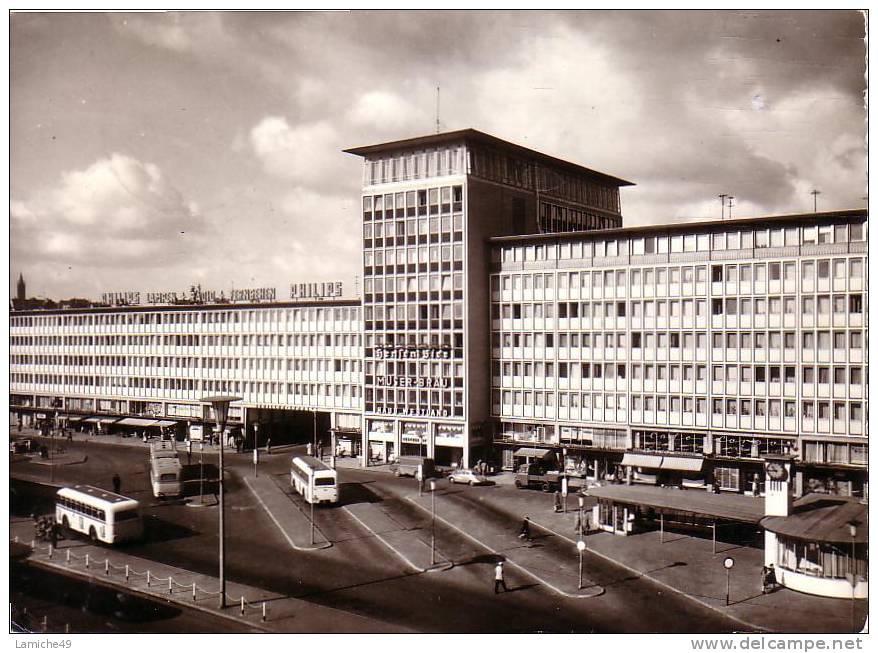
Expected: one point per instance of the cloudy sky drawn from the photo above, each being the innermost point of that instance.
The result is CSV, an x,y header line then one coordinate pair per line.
x,y
152,151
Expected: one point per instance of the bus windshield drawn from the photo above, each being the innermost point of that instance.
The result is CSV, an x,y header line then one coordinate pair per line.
x,y
318,480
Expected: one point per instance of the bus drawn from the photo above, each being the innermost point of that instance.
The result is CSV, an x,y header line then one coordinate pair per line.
x,y
165,475
102,515
165,469
314,480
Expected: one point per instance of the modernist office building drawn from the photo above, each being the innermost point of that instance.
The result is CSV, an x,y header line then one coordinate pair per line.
x,y
429,204
695,348
295,365
504,308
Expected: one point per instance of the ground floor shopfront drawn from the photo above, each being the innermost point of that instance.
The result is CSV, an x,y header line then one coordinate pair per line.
x,y
448,443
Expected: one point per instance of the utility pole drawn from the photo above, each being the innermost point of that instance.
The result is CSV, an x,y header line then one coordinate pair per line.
x,y
722,205
731,197
815,193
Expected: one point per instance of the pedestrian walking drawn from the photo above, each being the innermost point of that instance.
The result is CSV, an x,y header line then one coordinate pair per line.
x,y
524,532
499,581
557,501
577,525
309,449
268,445
54,533
117,483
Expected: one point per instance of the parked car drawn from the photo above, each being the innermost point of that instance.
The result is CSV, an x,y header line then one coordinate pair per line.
x,y
466,476
23,446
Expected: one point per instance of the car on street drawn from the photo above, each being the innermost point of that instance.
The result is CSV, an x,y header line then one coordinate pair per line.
x,y
467,476
23,446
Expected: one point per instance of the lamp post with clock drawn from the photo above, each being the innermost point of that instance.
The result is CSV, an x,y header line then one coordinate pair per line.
x,y
778,500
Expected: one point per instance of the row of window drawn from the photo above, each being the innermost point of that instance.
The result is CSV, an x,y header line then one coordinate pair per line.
x,y
691,341
345,390
158,363
736,277
731,238
421,164
271,316
193,340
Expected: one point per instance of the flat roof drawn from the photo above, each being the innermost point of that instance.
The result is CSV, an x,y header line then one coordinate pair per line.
x,y
732,507
702,225
823,518
152,308
475,136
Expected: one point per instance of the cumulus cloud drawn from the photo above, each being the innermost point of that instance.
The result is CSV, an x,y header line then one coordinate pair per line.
x,y
118,210
373,108
306,153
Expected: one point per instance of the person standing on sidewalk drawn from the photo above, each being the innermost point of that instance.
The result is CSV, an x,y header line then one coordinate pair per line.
x,y
499,581
557,501
524,532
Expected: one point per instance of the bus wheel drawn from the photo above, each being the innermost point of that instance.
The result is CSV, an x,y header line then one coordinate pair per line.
x,y
547,487
93,535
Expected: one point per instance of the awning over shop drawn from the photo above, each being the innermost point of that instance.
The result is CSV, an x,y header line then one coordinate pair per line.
x,y
731,507
164,423
823,518
101,420
136,421
74,418
682,464
528,452
641,460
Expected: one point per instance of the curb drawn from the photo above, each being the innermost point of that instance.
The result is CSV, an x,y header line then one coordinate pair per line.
x,y
557,590
283,532
95,578
661,583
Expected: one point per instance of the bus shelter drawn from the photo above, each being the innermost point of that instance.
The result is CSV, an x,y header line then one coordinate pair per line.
x,y
628,509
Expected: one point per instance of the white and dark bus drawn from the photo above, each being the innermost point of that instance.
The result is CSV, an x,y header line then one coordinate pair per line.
x,y
165,469
165,475
102,515
314,480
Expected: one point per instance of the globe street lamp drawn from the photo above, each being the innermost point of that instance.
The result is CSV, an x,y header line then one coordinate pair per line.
x,y
728,563
221,413
580,546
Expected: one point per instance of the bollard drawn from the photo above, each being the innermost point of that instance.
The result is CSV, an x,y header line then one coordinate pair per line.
x,y
45,623
193,591
147,577
86,561
126,573
107,567
66,629
68,556
33,544
242,605
170,586
263,611
51,551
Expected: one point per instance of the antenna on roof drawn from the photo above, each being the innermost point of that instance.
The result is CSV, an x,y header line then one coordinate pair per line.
x,y
722,205
437,110
815,193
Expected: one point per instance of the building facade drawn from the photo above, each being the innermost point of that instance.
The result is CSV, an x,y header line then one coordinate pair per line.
x,y
283,359
505,309
428,206
684,354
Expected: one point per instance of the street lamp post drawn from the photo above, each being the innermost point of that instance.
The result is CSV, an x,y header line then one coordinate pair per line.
x,y
433,522
580,546
221,413
853,573
728,563
581,525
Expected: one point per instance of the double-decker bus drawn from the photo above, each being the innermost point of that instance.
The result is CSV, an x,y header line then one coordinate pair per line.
x,y
102,515
314,480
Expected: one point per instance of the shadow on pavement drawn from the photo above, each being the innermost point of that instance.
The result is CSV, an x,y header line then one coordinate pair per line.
x,y
350,493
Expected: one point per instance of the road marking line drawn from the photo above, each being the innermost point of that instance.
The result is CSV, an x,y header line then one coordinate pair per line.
x,y
655,580
277,523
383,541
512,562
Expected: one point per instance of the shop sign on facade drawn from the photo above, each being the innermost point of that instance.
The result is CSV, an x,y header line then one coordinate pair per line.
x,y
423,353
412,381
414,433
323,290
405,411
183,410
